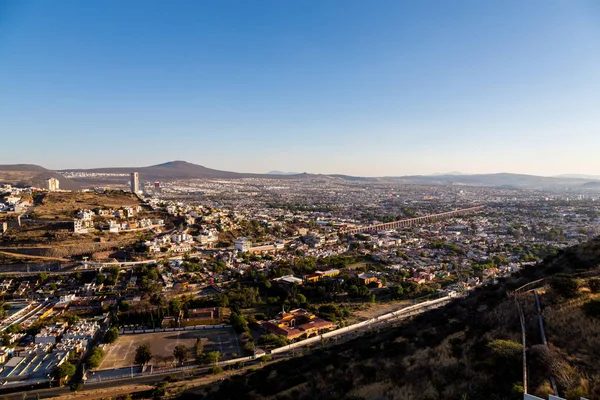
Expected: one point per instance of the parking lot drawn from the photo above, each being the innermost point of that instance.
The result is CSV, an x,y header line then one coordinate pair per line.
x,y
122,353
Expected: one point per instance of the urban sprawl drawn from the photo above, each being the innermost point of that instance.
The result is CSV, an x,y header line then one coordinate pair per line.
x,y
113,283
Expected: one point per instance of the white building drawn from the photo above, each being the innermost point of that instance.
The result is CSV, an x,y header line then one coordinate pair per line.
x,y
85,215
135,182
181,237
79,227
243,244
52,184
208,237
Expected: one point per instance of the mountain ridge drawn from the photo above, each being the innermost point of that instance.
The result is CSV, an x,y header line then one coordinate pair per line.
x,y
180,170
33,175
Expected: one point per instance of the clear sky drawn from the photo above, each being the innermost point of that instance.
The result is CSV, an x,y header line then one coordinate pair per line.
x,y
333,86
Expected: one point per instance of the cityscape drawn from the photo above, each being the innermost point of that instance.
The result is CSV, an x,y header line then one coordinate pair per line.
x,y
212,274
299,200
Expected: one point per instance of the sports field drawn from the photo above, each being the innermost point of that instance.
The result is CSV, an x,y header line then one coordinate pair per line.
x,y
122,353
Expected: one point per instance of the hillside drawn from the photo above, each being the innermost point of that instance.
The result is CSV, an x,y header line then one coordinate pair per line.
x,y
33,175
470,349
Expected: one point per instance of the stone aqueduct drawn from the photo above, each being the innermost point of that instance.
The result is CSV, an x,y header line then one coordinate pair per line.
x,y
410,222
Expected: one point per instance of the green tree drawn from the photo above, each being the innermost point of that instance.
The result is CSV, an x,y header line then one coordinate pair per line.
x,y
64,370
215,370
238,322
6,341
175,306
506,350
43,277
143,354
180,352
14,328
95,358
564,285
112,335
100,278
212,357
199,349
160,390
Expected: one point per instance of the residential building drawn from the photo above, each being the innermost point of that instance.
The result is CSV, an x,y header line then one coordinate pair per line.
x,y
243,244
52,184
135,182
200,316
318,275
79,226
288,280
296,323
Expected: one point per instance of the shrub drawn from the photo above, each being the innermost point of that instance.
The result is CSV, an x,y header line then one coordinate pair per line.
x,y
505,350
112,335
564,286
215,370
576,393
594,285
592,308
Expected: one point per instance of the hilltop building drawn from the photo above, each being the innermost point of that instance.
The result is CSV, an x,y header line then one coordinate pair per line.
x,y
52,184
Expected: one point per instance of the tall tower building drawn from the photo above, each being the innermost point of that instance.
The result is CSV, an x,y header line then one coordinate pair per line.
x,y
52,184
135,182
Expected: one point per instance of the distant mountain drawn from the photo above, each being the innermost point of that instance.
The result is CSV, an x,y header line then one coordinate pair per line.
x,y
33,175
578,176
448,173
592,185
180,170
500,180
282,173
27,174
353,178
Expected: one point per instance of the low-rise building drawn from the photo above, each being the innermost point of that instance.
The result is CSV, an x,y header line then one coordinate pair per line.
x,y
296,323
243,244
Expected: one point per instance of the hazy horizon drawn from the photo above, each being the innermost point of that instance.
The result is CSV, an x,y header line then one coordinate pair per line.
x,y
133,168
367,89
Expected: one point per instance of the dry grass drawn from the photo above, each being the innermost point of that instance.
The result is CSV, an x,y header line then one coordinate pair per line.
x,y
567,321
64,204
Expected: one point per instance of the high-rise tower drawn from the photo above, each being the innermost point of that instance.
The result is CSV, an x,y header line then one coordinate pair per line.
x,y
135,182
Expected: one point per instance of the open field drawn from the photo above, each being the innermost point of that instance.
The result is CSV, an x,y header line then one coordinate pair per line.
x,y
122,353
65,204
376,309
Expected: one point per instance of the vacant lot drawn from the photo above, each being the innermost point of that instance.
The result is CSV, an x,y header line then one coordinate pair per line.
x,y
122,353
62,205
377,309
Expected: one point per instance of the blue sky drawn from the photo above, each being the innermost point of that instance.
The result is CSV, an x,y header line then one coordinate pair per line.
x,y
358,87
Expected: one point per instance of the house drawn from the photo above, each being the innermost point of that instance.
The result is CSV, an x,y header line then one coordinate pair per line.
x,y
367,278
200,316
296,323
288,280
85,215
208,238
243,245
318,275
169,322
